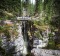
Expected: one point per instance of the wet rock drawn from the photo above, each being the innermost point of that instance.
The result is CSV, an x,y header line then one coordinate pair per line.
x,y
45,52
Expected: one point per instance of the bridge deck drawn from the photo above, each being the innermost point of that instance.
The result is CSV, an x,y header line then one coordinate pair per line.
x,y
26,18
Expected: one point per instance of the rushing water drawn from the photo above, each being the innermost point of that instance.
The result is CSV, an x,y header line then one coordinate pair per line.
x,y
19,42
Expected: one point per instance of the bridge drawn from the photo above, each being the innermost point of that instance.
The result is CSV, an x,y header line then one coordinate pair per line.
x,y
27,18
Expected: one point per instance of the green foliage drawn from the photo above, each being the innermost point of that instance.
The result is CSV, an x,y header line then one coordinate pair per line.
x,y
51,45
39,6
38,35
55,21
30,7
40,22
31,10
45,8
51,35
58,46
11,6
1,29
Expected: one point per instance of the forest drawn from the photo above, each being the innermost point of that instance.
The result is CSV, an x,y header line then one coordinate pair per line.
x,y
27,22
